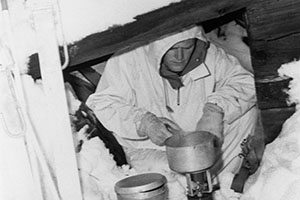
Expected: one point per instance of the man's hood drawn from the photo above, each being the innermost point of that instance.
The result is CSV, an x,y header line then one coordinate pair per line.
x,y
156,50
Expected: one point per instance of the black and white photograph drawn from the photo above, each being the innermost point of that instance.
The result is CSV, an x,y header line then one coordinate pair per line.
x,y
149,100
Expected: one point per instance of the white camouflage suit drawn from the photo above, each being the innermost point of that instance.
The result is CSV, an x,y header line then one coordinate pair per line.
x,y
131,85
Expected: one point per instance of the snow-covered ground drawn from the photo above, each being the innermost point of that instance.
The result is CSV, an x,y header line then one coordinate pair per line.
x,y
279,175
99,173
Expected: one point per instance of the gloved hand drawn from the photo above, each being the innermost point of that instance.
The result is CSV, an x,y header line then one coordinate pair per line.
x,y
158,129
212,120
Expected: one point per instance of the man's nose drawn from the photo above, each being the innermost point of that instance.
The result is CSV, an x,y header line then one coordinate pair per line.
x,y
179,54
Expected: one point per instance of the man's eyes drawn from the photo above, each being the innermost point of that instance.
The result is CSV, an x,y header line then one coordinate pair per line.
x,y
188,47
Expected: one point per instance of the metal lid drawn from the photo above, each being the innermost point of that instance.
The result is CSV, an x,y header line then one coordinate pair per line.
x,y
140,183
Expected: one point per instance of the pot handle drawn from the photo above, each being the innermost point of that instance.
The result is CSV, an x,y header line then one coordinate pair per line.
x,y
217,143
173,130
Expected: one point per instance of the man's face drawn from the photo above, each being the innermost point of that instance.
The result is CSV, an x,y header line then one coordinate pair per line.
x,y
177,57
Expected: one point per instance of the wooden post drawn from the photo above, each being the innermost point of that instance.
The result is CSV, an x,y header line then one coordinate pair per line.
x,y
65,165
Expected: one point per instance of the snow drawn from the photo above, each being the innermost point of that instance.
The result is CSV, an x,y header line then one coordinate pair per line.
x,y
99,172
279,174
231,40
292,70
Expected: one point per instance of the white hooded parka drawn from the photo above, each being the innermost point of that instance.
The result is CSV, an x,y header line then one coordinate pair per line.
x,y
131,85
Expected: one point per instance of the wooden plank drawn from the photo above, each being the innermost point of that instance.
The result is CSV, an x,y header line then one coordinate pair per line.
x,y
61,141
274,30
273,120
268,56
271,19
149,27
271,93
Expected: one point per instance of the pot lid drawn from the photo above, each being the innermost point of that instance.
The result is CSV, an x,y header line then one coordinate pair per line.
x,y
140,183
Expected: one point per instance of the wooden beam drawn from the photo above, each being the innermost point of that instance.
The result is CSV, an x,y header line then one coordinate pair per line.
x,y
145,29
274,31
271,93
271,19
273,119
268,56
149,27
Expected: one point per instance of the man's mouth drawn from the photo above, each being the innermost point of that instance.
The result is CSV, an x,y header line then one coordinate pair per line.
x,y
178,62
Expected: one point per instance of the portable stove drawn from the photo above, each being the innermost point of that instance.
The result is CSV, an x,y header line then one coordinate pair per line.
x,y
193,154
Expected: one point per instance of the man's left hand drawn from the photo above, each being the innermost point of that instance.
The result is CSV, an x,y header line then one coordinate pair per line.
x,y
212,120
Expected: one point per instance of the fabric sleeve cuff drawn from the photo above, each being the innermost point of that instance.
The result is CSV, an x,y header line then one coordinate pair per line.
x,y
231,113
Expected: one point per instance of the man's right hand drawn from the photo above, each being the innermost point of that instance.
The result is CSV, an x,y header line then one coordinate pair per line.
x,y
158,129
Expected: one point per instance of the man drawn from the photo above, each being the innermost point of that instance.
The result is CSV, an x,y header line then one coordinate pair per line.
x,y
179,83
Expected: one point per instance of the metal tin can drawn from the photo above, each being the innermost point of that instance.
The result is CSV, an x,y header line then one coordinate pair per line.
x,y
148,186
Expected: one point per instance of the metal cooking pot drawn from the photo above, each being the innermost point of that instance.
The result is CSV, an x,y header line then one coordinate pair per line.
x,y
191,152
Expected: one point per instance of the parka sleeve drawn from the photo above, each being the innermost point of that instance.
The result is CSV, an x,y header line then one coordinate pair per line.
x,y
234,89
114,99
